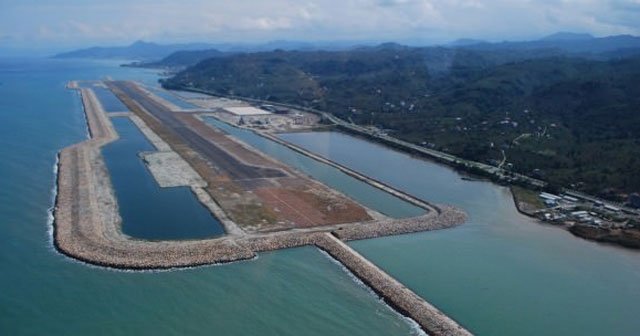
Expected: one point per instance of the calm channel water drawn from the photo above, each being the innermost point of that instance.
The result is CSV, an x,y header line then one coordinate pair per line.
x,y
501,273
291,292
170,97
148,211
362,192
109,101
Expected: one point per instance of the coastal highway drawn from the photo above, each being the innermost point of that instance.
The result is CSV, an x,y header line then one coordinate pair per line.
x,y
445,157
217,156
430,152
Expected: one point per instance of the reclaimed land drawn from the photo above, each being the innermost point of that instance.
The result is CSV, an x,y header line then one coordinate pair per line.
x,y
87,227
257,192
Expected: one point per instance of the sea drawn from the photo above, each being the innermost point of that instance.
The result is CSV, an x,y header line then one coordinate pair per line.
x,y
499,274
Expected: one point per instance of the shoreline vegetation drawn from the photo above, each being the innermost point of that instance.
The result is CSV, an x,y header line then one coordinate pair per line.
x,y
87,227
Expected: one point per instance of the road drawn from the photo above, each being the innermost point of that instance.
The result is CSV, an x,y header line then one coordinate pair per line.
x,y
452,159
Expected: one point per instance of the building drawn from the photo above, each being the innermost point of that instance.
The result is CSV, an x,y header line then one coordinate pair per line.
x,y
550,203
611,208
246,111
569,198
275,109
551,198
579,214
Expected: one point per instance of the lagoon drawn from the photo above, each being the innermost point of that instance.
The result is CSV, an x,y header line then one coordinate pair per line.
x,y
148,211
108,100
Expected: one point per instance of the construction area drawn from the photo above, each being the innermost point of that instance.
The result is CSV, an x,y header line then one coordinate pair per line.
x,y
262,204
258,193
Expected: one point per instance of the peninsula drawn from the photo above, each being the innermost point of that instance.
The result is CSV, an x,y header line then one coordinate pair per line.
x,y
263,204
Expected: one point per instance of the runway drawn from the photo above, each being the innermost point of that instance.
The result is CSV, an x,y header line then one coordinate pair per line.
x,y
221,159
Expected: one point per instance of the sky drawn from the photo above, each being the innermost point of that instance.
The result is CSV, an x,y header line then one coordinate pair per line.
x,y
60,24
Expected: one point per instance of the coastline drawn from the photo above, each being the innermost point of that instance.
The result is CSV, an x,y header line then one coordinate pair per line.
x,y
86,208
94,218
86,226
621,238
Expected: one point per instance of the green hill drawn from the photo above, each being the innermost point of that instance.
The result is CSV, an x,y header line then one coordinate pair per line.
x,y
571,121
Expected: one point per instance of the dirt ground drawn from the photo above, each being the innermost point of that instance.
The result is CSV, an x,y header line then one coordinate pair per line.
x,y
260,204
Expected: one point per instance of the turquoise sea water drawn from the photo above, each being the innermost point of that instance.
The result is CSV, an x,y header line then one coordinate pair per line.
x,y
501,273
292,292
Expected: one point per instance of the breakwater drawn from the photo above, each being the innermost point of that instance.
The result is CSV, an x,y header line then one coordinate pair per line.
x,y
401,298
87,227
447,217
369,180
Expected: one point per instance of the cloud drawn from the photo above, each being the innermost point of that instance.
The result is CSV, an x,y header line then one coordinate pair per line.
x,y
67,22
392,3
263,23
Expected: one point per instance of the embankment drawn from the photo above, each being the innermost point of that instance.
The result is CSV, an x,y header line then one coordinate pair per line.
x,y
447,217
87,222
87,227
369,180
624,237
401,298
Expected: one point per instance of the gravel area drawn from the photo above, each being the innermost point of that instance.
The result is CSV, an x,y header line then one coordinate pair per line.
x,y
170,170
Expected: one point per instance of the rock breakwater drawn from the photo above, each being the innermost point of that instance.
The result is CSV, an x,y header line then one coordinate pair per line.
x,y
87,227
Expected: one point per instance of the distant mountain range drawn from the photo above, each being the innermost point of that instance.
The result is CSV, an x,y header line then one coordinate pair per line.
x,y
567,36
150,52
181,59
180,55
564,108
139,50
567,42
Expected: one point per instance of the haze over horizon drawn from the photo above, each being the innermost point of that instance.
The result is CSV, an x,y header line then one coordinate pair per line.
x,y
41,26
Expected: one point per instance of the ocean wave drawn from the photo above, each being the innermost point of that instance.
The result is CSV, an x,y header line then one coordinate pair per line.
x,y
54,194
51,232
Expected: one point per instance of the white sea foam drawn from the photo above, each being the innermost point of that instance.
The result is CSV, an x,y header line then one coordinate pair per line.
x,y
54,189
415,327
54,195
161,270
51,228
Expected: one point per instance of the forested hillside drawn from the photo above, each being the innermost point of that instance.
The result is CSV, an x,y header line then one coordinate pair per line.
x,y
569,120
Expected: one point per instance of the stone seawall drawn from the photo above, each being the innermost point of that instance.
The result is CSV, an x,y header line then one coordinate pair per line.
x,y
87,226
401,298
448,217
369,180
279,241
86,216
